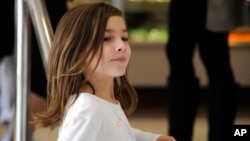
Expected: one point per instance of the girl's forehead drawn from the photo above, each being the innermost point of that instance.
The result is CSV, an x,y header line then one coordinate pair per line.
x,y
115,22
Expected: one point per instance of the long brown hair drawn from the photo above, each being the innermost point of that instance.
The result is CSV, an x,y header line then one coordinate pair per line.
x,y
78,37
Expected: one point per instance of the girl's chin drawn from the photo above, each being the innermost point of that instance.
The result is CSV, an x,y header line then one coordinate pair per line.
x,y
120,74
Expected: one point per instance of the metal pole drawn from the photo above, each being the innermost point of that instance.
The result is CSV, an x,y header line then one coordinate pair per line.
x,y
42,26
22,81
119,4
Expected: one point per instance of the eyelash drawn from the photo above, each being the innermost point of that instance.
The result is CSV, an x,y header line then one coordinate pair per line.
x,y
109,38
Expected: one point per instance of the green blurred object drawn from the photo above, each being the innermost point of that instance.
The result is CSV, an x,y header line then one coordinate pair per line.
x,y
138,35
142,35
157,35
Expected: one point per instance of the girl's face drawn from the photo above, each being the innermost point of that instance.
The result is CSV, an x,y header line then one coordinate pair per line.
x,y
116,50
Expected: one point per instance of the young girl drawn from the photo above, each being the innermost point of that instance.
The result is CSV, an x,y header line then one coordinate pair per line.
x,y
89,95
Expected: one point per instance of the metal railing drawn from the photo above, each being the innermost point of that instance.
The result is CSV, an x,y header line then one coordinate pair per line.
x,y
44,32
22,75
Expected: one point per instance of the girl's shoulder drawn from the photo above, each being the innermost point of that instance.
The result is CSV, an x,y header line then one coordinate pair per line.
x,y
82,106
84,100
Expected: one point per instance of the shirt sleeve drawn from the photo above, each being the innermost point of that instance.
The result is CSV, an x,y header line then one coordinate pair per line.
x,y
145,136
78,129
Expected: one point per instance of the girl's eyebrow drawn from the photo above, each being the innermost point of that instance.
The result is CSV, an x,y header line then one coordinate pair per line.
x,y
111,30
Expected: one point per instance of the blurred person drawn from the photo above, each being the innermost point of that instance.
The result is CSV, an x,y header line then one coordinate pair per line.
x,y
204,24
37,96
7,89
7,65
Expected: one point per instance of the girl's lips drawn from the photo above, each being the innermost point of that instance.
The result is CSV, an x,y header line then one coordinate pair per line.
x,y
120,59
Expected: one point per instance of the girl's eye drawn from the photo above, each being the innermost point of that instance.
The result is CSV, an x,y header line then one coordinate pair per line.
x,y
110,38
125,39
107,38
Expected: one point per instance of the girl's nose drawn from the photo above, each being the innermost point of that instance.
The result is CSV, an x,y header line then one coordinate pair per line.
x,y
120,46
119,49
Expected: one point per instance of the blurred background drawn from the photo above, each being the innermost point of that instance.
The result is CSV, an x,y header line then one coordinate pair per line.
x,y
148,70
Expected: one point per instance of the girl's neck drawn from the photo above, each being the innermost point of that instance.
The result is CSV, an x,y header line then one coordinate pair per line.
x,y
103,90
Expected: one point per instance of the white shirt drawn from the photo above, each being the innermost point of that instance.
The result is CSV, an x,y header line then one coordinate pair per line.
x,y
91,118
